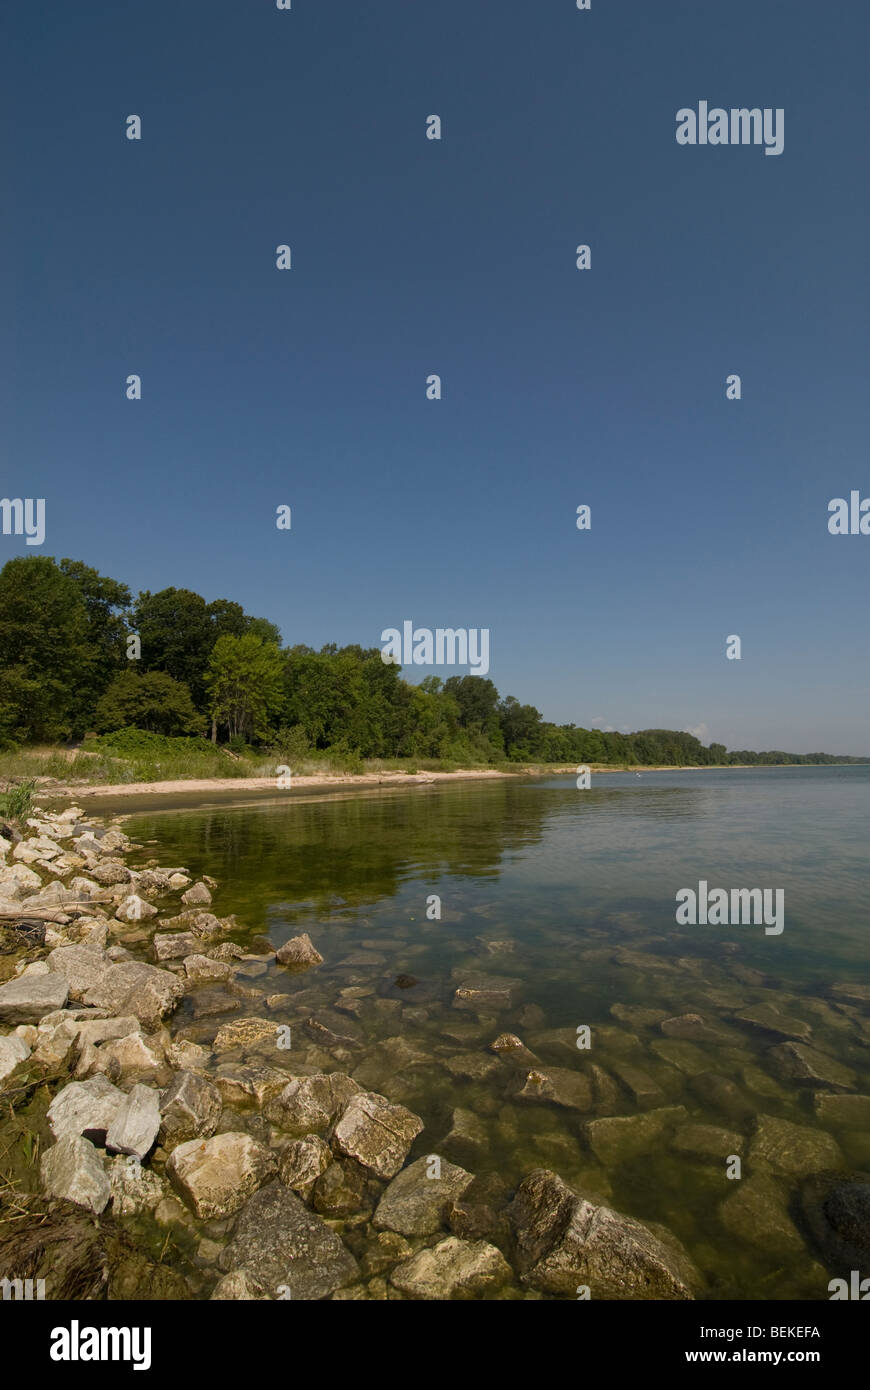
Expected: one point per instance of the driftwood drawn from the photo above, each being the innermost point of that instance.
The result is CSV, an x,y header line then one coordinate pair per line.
x,y
48,914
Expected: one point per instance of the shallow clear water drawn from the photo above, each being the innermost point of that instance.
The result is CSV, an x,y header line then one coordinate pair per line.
x,y
571,894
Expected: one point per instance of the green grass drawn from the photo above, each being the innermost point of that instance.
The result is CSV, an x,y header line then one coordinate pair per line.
x,y
16,799
133,755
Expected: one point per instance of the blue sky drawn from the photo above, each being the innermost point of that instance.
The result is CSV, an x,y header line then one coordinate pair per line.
x,y
410,256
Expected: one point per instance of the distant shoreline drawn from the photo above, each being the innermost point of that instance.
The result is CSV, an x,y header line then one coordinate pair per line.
x,y
327,781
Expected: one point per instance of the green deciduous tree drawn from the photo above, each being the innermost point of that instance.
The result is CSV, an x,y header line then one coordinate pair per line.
x,y
149,700
48,661
245,685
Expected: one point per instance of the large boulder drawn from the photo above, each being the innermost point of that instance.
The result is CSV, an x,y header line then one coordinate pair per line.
x,y
85,1108
135,1124
414,1204
280,1243
173,945
564,1242
131,987
73,1170
246,1085
302,1161
82,967
190,1108
30,997
12,1051
309,1104
453,1269
214,1176
377,1134
110,872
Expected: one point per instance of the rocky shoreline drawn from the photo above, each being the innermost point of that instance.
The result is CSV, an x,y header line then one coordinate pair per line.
x,y
257,1153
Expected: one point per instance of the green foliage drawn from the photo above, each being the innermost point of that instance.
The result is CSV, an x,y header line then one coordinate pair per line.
x,y
149,700
48,659
291,745
64,670
178,631
16,799
244,681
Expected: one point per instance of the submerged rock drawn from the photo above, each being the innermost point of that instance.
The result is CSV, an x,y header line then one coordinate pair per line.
x,y
564,1241
796,1062
558,1085
134,1189
765,1018
843,1112
757,1213
453,1269
722,1094
467,1139
282,1245
836,1210
485,992
708,1143
618,1138
793,1150
246,1033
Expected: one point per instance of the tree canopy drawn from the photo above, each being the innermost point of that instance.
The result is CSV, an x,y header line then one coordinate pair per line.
x,y
65,670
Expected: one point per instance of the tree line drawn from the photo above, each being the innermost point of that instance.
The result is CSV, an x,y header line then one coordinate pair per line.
x,y
199,669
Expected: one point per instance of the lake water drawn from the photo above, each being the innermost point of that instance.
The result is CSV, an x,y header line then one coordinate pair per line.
x,y
570,894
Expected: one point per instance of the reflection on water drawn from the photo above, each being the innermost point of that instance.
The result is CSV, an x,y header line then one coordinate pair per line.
x,y
571,895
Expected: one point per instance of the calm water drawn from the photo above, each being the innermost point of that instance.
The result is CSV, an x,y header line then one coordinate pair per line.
x,y
571,894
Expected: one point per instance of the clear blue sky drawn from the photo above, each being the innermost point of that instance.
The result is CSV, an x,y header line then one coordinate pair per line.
x,y
605,387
